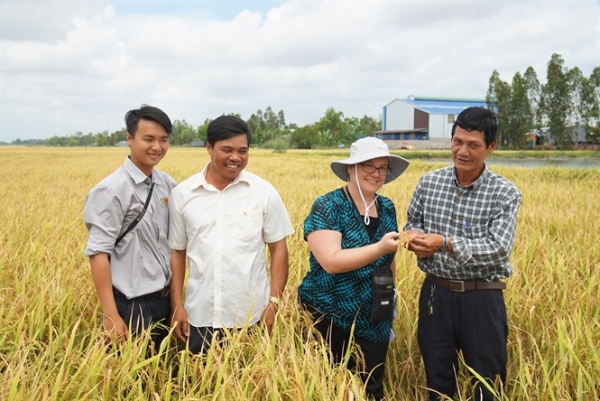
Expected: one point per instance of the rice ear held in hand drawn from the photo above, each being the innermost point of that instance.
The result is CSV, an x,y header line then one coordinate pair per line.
x,y
404,240
369,148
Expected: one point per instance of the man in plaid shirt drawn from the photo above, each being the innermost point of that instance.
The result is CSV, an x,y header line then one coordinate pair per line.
x,y
462,222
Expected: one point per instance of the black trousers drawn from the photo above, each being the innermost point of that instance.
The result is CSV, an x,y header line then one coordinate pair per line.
x,y
473,322
200,338
374,353
142,312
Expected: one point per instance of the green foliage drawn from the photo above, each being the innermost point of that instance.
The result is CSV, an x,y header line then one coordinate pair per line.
x,y
521,112
279,145
306,137
269,130
332,121
513,108
556,102
498,99
334,129
117,136
533,94
565,103
182,133
267,126
590,105
201,130
327,139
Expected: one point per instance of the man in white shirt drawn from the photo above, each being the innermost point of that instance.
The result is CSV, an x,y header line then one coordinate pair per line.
x,y
221,219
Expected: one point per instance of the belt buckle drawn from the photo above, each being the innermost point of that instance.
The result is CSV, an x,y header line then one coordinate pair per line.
x,y
456,285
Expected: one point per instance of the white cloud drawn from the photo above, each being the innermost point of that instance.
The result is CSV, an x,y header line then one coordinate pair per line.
x,y
42,21
79,66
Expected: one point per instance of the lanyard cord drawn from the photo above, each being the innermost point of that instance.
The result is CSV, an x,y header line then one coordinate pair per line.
x,y
366,218
367,208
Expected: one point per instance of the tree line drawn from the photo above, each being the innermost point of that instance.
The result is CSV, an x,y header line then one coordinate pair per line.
x,y
567,102
269,130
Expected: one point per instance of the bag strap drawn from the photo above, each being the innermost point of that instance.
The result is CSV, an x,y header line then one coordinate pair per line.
x,y
140,216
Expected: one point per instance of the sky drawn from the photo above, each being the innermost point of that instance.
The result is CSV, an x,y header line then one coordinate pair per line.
x,y
80,65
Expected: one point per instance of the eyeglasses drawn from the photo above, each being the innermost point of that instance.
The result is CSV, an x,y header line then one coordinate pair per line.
x,y
369,168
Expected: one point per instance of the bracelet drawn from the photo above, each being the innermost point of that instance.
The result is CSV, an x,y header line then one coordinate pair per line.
x,y
274,300
444,247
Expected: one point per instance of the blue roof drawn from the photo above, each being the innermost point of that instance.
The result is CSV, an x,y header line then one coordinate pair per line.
x,y
443,106
444,110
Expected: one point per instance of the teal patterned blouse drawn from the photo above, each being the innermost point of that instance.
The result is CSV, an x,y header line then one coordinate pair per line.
x,y
346,298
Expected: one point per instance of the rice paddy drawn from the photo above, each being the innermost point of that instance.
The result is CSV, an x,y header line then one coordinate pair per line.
x,y
52,344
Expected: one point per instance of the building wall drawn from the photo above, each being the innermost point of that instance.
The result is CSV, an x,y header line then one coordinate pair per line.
x,y
421,119
439,127
417,112
399,115
433,144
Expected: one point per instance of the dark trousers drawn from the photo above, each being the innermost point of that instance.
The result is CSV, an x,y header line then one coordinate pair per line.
x,y
142,312
473,322
374,353
200,338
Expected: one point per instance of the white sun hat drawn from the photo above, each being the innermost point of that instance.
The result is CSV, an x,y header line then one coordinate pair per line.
x,y
369,148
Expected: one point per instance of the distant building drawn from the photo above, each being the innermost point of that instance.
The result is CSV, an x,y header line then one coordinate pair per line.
x,y
198,144
406,121
426,117
122,144
578,135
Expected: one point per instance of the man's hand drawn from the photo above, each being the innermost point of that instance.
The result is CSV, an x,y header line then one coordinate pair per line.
x,y
179,322
425,245
115,328
268,316
406,237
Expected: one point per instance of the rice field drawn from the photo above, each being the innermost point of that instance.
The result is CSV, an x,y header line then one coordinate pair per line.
x,y
52,345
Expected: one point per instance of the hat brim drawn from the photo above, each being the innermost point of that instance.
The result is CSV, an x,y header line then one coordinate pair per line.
x,y
397,164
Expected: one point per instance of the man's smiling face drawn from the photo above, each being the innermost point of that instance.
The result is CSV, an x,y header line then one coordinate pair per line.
x,y
228,158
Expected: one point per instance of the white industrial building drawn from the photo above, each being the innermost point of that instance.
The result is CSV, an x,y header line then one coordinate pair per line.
x,y
417,119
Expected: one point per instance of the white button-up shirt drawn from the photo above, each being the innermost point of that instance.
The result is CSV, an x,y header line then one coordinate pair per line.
x,y
224,234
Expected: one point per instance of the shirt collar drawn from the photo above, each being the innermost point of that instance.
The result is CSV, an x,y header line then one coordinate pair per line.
x,y
200,179
135,173
482,178
475,184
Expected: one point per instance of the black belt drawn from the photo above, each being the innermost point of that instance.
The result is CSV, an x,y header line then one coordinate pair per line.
x,y
466,285
160,294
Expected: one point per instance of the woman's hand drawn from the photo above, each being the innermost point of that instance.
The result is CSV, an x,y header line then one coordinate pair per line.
x,y
389,243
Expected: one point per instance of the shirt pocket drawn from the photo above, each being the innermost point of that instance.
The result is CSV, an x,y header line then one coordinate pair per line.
x,y
475,229
248,225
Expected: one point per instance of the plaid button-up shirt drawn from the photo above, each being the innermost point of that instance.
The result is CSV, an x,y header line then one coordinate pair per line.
x,y
480,220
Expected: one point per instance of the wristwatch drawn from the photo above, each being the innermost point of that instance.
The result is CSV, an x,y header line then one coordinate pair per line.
x,y
444,247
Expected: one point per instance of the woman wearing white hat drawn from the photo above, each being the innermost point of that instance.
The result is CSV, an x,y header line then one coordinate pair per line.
x,y
352,234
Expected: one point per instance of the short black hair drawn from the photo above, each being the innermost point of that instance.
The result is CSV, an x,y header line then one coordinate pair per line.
x,y
478,119
145,112
225,127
